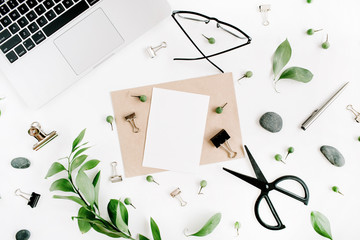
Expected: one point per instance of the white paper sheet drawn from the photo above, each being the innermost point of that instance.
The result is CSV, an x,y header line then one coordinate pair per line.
x,y
175,130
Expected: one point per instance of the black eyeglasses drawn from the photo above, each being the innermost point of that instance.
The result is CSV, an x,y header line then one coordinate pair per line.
x,y
226,27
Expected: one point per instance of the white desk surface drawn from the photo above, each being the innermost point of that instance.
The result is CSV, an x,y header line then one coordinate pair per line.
x,y
87,104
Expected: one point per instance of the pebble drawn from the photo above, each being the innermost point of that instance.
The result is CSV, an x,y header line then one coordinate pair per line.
x,y
22,235
271,121
333,155
20,163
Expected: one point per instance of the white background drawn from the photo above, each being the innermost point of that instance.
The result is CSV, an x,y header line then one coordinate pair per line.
x,y
87,104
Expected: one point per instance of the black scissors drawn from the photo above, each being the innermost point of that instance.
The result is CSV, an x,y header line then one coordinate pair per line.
x,y
265,187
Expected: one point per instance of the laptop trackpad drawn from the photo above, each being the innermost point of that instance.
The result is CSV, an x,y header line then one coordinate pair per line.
x,y
89,41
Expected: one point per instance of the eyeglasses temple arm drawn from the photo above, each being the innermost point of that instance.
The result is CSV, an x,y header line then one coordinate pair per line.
x,y
219,26
212,55
173,16
194,19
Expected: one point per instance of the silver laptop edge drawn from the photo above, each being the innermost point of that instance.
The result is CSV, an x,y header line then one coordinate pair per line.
x,y
54,64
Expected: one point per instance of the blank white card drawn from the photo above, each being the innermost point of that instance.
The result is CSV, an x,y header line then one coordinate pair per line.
x,y
175,130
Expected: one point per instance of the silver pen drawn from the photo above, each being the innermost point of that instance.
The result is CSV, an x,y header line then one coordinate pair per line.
x,y
319,111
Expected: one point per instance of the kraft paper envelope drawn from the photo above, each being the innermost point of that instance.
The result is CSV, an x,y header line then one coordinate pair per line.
x,y
221,90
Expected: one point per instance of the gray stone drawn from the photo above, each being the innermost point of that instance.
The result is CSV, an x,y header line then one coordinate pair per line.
x,y
22,235
333,155
20,163
271,121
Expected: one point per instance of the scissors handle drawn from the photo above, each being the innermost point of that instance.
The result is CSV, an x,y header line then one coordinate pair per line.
x,y
273,186
279,225
304,199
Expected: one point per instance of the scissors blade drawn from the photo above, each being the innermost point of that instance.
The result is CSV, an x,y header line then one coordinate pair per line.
x,y
259,175
253,181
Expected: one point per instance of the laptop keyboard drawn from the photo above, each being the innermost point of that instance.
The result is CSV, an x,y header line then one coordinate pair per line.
x,y
24,24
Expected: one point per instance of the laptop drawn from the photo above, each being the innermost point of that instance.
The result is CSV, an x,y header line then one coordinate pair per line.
x,y
47,45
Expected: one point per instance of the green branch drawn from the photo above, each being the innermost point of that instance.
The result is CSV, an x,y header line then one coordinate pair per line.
x,y
87,192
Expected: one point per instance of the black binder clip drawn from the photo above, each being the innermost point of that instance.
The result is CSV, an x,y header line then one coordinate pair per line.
x,y
221,140
32,199
43,138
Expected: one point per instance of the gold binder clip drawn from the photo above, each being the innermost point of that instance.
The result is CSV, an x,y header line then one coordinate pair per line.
x,y
131,119
152,50
43,138
356,113
221,140
176,194
264,9
115,177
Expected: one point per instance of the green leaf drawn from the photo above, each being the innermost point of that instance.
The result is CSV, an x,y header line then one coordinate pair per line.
x,y
62,185
155,230
120,224
115,215
141,237
79,146
111,233
80,151
77,162
96,184
84,226
111,207
209,227
78,139
89,165
298,74
85,186
105,228
124,213
281,57
321,224
72,198
54,169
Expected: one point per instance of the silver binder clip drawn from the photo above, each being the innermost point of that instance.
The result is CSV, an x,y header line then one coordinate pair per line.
x,y
43,138
176,194
115,177
152,50
356,113
32,198
221,140
131,119
264,9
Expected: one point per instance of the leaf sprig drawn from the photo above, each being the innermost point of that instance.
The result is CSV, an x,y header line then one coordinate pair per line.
x,y
154,230
321,224
281,58
209,226
86,193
